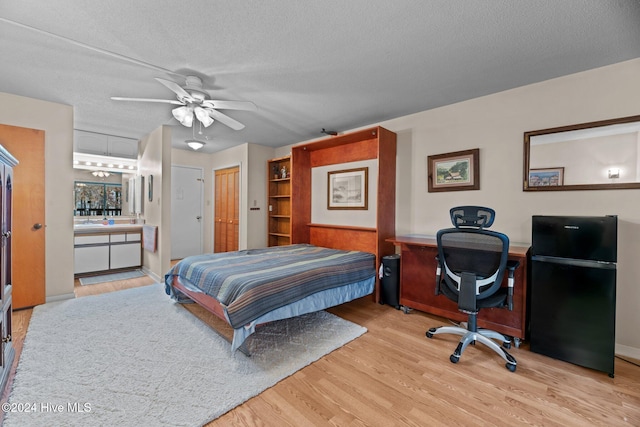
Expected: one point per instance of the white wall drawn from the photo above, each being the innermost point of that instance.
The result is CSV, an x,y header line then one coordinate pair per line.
x,y
155,159
257,195
57,122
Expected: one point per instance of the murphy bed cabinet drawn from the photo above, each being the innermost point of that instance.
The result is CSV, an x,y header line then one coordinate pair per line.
x,y
279,203
7,352
377,144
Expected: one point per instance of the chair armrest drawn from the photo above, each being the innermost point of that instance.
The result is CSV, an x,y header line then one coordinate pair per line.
x,y
511,267
438,276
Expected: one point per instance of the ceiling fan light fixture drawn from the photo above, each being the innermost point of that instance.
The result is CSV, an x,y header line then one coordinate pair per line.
x,y
203,116
184,115
194,144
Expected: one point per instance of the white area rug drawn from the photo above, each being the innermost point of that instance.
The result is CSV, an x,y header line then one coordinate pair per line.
x,y
92,280
135,358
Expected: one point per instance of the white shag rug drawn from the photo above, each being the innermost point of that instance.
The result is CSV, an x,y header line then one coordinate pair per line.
x,y
136,358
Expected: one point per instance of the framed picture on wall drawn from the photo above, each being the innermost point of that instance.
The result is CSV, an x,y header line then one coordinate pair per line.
x,y
547,177
456,171
348,189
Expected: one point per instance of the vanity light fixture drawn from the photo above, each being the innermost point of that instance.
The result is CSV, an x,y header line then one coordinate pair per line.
x,y
100,174
109,164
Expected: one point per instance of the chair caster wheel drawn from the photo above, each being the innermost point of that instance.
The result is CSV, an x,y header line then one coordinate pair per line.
x,y
510,367
430,332
507,344
454,359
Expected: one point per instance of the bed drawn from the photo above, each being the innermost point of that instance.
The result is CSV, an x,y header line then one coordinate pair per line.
x,y
252,287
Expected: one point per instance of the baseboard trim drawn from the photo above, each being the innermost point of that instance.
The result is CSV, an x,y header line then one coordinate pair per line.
x,y
151,274
624,350
60,297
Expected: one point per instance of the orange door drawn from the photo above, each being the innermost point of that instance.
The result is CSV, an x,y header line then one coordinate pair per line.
x,y
28,250
227,210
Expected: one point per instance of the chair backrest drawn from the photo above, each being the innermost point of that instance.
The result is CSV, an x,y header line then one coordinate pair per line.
x,y
472,216
472,250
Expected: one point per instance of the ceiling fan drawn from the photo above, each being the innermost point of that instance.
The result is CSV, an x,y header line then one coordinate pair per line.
x,y
194,101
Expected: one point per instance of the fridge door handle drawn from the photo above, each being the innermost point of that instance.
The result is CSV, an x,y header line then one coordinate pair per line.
x,y
575,262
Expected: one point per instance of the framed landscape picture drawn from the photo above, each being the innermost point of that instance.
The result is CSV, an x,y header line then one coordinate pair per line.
x,y
547,177
454,171
348,189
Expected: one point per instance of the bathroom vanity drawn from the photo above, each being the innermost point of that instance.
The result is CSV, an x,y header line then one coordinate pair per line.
x,y
100,248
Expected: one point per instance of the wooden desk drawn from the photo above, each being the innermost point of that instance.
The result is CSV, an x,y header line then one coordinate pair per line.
x,y
418,281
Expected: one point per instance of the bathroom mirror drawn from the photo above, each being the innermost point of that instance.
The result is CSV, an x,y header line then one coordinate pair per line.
x,y
589,156
97,199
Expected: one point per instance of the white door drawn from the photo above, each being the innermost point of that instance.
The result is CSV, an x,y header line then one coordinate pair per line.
x,y
186,211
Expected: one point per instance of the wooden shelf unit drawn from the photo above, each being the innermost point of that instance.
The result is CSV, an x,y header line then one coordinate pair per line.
x,y
279,202
374,143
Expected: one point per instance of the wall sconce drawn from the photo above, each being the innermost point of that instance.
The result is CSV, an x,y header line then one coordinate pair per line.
x,y
614,173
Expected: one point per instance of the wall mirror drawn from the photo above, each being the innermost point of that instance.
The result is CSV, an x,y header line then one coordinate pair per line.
x,y
97,199
589,156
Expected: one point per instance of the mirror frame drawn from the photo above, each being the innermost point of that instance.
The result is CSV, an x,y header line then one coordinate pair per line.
x,y
612,186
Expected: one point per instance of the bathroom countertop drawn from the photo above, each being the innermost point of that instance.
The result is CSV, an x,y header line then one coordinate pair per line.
x,y
101,228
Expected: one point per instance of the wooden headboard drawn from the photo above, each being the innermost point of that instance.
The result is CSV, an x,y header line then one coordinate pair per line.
x,y
375,143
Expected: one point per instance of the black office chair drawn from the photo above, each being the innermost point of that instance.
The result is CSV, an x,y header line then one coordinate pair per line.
x,y
471,264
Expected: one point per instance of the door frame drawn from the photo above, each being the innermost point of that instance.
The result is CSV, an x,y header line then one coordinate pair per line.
x,y
240,202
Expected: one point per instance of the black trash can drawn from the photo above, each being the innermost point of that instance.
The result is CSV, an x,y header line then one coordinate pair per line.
x,y
390,281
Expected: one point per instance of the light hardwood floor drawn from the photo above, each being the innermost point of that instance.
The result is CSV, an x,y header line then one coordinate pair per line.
x,y
393,375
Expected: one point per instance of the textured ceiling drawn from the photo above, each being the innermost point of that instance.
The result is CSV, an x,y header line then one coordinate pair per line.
x,y
307,65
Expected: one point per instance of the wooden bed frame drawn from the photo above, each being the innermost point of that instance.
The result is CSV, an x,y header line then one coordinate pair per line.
x,y
210,304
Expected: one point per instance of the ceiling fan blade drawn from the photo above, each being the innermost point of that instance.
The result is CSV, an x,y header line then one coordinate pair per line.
x,y
230,105
165,101
175,87
226,120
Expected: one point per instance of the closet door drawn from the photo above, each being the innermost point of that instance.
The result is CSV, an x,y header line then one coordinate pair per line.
x,y
227,210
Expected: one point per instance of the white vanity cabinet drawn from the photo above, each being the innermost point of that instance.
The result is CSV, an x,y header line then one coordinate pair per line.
x,y
125,250
101,251
91,253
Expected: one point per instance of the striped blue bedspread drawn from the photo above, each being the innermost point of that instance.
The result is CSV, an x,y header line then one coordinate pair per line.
x,y
250,283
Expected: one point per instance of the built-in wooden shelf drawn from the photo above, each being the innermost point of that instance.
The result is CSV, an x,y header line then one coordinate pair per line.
x,y
279,200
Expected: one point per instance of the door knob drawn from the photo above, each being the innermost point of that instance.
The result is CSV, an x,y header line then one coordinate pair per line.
x,y
37,226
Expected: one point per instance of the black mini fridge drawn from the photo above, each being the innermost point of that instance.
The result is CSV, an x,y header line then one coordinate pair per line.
x,y
573,289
